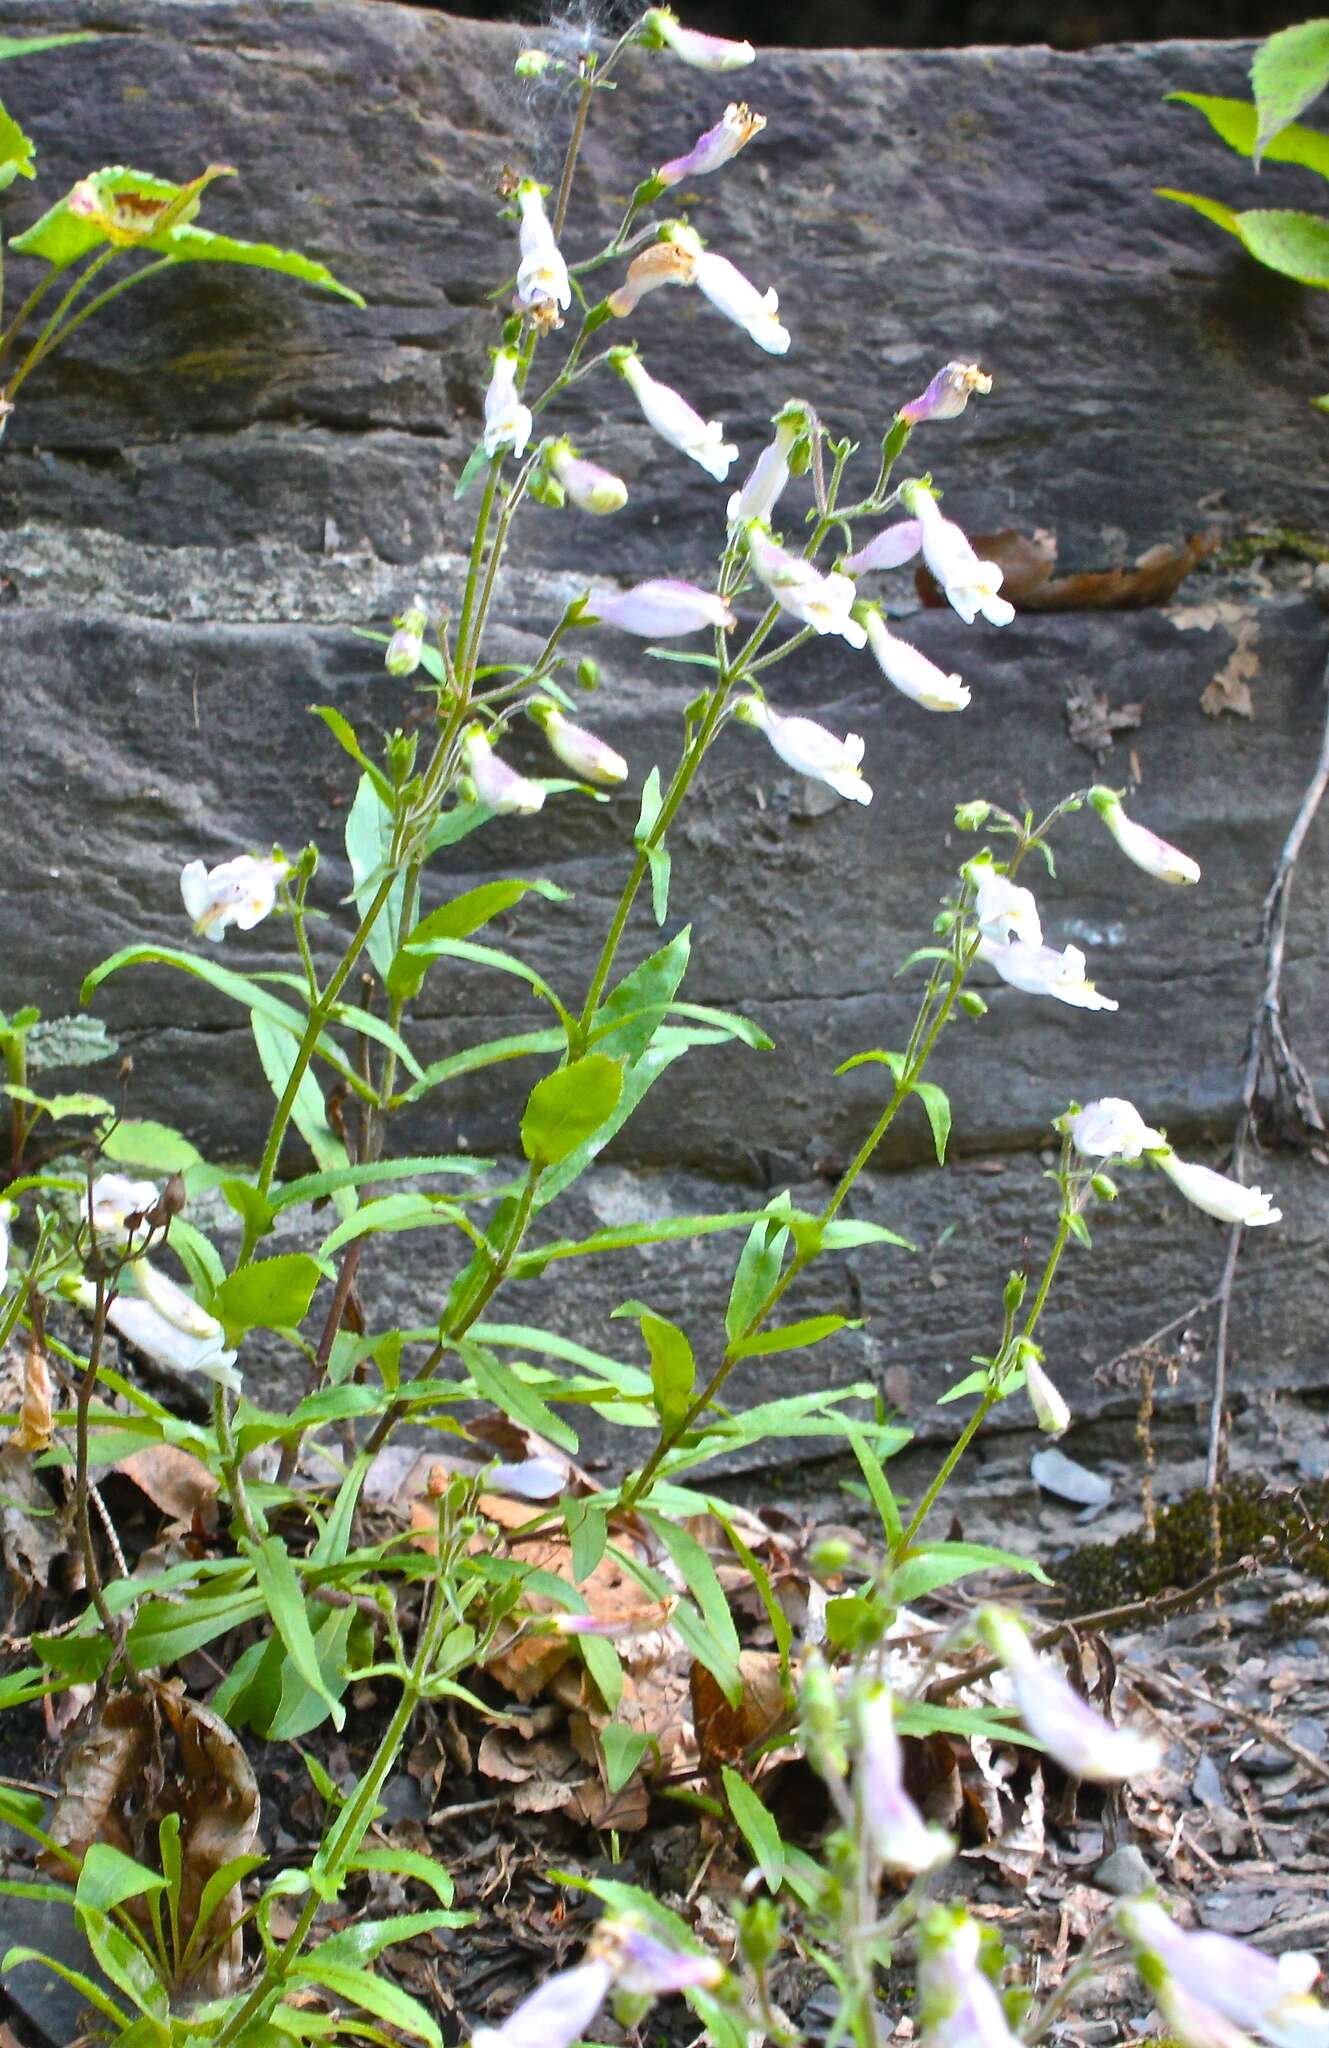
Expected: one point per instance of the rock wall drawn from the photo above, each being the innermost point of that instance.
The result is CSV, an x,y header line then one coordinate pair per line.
x,y
226,475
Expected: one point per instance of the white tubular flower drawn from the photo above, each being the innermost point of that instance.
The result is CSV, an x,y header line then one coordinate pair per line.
x,y
1082,1742
542,275
899,1836
671,262
702,52
6,1218
590,488
115,1198
579,750
732,132
1004,910
1213,1192
408,642
947,395
1049,1406
889,549
739,300
959,2005
1164,862
1043,971
240,892
970,585
495,783
554,2016
163,1342
824,602
809,749
171,1301
770,472
910,671
1112,1129
508,422
662,608
1223,1980
673,419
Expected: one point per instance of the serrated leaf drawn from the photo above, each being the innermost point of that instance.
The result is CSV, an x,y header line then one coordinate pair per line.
x,y
16,151
1294,244
1288,71
568,1107
1236,122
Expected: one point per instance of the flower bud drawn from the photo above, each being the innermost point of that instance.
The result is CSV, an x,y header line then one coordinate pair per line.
x,y
759,1933
1166,863
407,643
828,1556
1014,1293
972,817
495,784
661,29
1104,1187
947,395
971,1002
819,1712
1054,1417
532,64
590,488
588,673
579,750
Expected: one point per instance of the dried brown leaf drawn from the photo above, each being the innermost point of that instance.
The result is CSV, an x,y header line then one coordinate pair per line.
x,y
1091,720
1027,561
35,1429
173,1480
103,1781
724,1733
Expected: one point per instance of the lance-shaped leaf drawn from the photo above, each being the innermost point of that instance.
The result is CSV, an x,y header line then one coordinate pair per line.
x,y
28,46
569,1106
16,151
1288,71
1237,123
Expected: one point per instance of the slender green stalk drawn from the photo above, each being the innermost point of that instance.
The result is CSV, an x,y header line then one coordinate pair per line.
x,y
41,344
102,299
11,333
230,1465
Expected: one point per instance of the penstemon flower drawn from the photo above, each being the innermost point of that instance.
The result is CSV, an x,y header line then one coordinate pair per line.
x,y
824,602
1111,1129
732,132
909,670
660,609
1215,1193
947,395
1003,908
1049,1406
590,488
959,2006
899,1836
172,1302
494,782
115,1199
1164,862
770,472
1206,1982
240,892
508,422
970,585
669,262
674,420
889,549
408,642
542,275
810,749
1082,1742
663,30
1043,971
577,749
162,1340
642,1964
739,300
554,2016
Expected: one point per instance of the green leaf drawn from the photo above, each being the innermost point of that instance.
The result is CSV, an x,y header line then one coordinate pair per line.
x,y
759,1266
673,1367
1212,209
457,920
844,1235
476,461
1288,71
28,46
1294,244
972,1383
633,1012
154,1146
269,1294
727,1021
937,1104
379,1995
718,1658
108,1877
313,1186
569,1106
391,1213
1235,121
757,1827
284,1598
699,1576
369,834
86,1987
409,1863
623,1750
656,855
238,988
942,1563
667,1230
793,1336
883,1498
16,151
492,1052
347,738
641,1075
499,1383
163,1631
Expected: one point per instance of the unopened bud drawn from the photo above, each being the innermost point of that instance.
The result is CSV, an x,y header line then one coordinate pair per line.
x,y
829,1556
588,673
407,643
1104,1187
532,64
972,817
1014,1293
759,1933
972,1003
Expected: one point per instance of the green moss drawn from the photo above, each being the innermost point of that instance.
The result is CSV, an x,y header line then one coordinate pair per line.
x,y
1133,1568
1282,540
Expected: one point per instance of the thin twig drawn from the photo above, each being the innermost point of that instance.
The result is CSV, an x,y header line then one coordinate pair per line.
x,y
1267,1044
1259,1723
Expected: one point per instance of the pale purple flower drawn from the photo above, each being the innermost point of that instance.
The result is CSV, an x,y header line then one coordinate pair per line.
x,y
662,608
1080,1740
947,395
508,422
554,2016
408,642
1215,1193
1043,971
1112,1129
970,586
115,1199
732,132
810,749
586,755
495,784
240,892
673,419
889,549
897,1833
590,488
646,1967
770,472
959,2006
1225,1981
1164,862
673,261
823,601
528,1479
910,670
1003,908
739,300
705,53
542,275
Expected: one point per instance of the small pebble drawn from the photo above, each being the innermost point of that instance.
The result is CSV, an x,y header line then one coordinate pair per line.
x,y
1124,1872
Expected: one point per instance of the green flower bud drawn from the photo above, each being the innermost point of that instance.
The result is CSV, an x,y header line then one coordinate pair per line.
x,y
973,816
1014,1293
829,1556
588,673
972,1003
759,1932
531,64
1104,1187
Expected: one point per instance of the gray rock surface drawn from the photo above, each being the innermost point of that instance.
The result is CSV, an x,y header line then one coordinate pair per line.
x,y
223,478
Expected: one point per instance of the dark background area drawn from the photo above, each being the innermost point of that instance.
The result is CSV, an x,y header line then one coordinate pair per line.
x,y
944,24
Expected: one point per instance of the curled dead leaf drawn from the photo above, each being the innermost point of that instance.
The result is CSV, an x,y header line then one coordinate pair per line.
x,y
726,1734
1027,562
35,1427
173,1480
